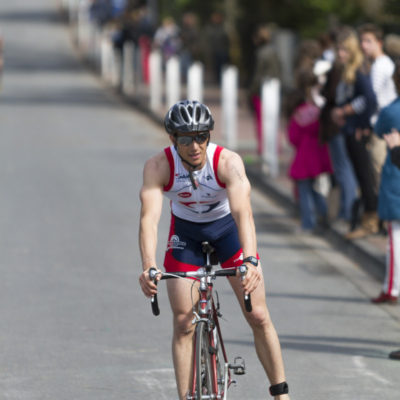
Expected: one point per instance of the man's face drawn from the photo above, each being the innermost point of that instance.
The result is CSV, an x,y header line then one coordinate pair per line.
x,y
192,147
370,45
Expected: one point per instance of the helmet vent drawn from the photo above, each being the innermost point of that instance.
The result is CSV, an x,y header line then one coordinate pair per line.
x,y
188,116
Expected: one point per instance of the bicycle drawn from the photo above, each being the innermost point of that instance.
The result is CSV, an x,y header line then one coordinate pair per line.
x,y
211,371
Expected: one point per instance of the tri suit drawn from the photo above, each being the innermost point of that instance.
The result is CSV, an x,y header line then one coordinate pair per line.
x,y
197,215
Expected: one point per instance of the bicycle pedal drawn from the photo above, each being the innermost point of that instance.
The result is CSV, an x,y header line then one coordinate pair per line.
x,y
238,366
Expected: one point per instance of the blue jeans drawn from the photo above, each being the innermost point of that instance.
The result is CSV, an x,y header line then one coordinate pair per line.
x,y
344,175
312,204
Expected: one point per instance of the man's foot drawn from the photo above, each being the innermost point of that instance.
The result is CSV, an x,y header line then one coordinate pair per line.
x,y
384,298
357,233
395,355
369,226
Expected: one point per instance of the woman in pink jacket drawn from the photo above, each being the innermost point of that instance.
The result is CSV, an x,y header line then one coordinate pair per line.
x,y
311,158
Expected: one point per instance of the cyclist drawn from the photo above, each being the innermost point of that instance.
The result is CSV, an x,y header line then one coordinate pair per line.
x,y
210,200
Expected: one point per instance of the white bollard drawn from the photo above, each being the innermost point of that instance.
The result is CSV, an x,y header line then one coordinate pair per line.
x,y
173,81
116,67
83,35
270,103
128,84
106,56
229,105
103,54
195,82
73,6
155,80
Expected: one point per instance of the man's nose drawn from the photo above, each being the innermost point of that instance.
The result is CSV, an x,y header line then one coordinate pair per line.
x,y
194,145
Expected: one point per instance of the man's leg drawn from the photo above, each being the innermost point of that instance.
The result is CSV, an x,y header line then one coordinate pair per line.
x,y
180,296
265,337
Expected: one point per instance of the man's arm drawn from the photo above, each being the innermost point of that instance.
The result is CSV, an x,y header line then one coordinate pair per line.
x,y
155,175
232,172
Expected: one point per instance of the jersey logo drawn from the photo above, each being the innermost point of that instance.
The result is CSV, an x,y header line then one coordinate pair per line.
x,y
175,243
207,206
185,195
183,176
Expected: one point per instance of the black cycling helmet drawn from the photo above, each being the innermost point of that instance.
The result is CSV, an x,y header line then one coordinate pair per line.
x,y
188,116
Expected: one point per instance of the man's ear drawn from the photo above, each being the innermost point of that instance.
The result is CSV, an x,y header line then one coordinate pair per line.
x,y
173,139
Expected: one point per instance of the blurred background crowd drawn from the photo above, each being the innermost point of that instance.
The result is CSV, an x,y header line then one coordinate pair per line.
x,y
338,64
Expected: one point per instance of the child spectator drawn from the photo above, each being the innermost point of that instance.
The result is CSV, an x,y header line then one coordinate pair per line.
x,y
311,157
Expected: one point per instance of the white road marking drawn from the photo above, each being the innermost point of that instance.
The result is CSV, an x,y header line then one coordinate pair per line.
x,y
157,380
361,366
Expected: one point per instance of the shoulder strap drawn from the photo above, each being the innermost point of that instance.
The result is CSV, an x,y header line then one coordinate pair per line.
x,y
171,163
217,154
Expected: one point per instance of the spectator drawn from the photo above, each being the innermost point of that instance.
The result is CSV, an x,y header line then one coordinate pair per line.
x,y
311,159
266,66
191,46
100,11
381,77
309,51
167,39
355,104
330,133
216,45
389,195
393,141
392,45
327,43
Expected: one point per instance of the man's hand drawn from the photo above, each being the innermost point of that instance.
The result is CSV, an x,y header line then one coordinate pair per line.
x,y
363,133
392,139
148,286
252,278
338,117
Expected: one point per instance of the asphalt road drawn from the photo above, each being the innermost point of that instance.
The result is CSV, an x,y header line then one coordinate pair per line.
x,y
73,322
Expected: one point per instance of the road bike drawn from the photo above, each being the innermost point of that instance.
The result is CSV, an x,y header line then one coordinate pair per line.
x,y
211,371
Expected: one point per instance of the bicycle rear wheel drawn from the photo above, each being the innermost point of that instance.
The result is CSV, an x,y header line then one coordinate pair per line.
x,y
204,384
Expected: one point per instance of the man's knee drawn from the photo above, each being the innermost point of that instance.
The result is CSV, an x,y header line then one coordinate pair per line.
x,y
259,318
183,324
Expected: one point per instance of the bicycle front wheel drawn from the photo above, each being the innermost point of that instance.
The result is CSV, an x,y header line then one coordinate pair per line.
x,y
204,385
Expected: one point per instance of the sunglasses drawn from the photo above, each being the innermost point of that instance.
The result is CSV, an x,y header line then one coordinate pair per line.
x,y
188,140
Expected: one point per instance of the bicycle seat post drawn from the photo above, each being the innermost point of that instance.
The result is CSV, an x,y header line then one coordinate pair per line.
x,y
207,250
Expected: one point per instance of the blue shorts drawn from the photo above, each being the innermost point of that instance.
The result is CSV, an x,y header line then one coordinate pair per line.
x,y
184,252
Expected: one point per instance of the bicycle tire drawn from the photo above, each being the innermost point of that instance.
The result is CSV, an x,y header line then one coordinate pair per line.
x,y
220,363
204,384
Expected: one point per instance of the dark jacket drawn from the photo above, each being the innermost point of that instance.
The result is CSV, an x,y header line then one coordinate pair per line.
x,y
395,156
362,87
328,129
389,191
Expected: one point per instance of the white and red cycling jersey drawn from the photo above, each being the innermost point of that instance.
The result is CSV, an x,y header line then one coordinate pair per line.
x,y
209,201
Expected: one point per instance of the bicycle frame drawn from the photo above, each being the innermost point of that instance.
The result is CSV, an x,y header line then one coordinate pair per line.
x,y
208,313
207,316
